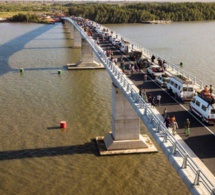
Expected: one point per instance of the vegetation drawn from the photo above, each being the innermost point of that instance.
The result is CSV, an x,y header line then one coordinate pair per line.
x,y
112,13
30,12
139,12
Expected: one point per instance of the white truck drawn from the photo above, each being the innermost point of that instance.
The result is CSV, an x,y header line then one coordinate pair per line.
x,y
126,47
181,87
203,105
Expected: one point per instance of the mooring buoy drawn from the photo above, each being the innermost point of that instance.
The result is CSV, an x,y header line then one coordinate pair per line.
x,y
63,124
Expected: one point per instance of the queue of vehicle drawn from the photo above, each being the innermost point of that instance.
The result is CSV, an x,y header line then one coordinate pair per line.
x,y
201,104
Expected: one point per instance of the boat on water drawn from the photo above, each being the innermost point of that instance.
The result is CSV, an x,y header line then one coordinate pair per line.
x,y
157,22
3,19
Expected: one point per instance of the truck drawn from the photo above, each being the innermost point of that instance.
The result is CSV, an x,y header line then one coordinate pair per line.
x,y
126,47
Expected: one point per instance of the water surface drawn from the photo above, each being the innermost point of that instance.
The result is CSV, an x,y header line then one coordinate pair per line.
x,y
36,156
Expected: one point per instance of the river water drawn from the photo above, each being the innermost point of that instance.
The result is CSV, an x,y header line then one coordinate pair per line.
x,y
36,156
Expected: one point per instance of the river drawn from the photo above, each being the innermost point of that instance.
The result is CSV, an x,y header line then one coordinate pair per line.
x,y
36,156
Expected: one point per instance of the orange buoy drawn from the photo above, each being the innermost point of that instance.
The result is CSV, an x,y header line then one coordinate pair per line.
x,y
63,124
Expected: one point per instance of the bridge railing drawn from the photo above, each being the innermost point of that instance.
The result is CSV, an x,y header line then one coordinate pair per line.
x,y
144,111
147,53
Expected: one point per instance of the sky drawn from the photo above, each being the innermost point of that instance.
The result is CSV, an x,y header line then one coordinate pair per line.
x,y
118,0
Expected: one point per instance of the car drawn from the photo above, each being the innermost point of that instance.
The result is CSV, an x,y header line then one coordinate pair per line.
x,y
135,55
116,41
143,63
162,80
155,71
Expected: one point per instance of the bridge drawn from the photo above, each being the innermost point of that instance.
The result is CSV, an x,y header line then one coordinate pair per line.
x,y
128,107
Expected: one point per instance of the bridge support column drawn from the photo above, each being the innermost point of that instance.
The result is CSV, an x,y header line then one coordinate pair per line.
x,y
71,28
87,54
125,136
77,38
87,57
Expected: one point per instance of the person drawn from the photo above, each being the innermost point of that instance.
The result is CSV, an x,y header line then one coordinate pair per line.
x,y
140,91
167,121
153,102
174,127
206,89
149,97
164,65
172,120
187,127
153,58
158,99
129,68
144,95
164,113
123,68
122,64
211,89
132,68
160,62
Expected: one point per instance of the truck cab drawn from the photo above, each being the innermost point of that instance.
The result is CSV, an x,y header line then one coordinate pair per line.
x,y
181,87
203,105
125,47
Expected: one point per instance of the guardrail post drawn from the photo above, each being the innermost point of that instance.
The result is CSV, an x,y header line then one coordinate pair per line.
x,y
184,165
124,83
141,103
145,111
174,148
194,80
132,95
165,137
127,88
213,191
151,119
196,181
158,128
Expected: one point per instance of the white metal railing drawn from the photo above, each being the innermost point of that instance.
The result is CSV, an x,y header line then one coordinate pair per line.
x,y
147,53
145,111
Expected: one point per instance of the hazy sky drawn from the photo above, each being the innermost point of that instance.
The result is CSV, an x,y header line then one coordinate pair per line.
x,y
120,0
143,0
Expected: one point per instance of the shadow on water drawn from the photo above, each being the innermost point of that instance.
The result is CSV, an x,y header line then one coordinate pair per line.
x,y
54,128
16,45
86,148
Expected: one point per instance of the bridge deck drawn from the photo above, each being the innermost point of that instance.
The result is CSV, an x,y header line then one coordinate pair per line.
x,y
201,141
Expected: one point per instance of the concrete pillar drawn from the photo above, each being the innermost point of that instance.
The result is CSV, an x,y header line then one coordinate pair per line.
x,y
71,28
125,135
125,121
77,38
86,52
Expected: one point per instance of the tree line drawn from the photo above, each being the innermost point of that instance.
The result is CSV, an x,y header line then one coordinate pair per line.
x,y
114,13
30,12
139,12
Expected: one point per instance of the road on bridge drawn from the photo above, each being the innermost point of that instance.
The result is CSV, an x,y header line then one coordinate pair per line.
x,y
202,137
